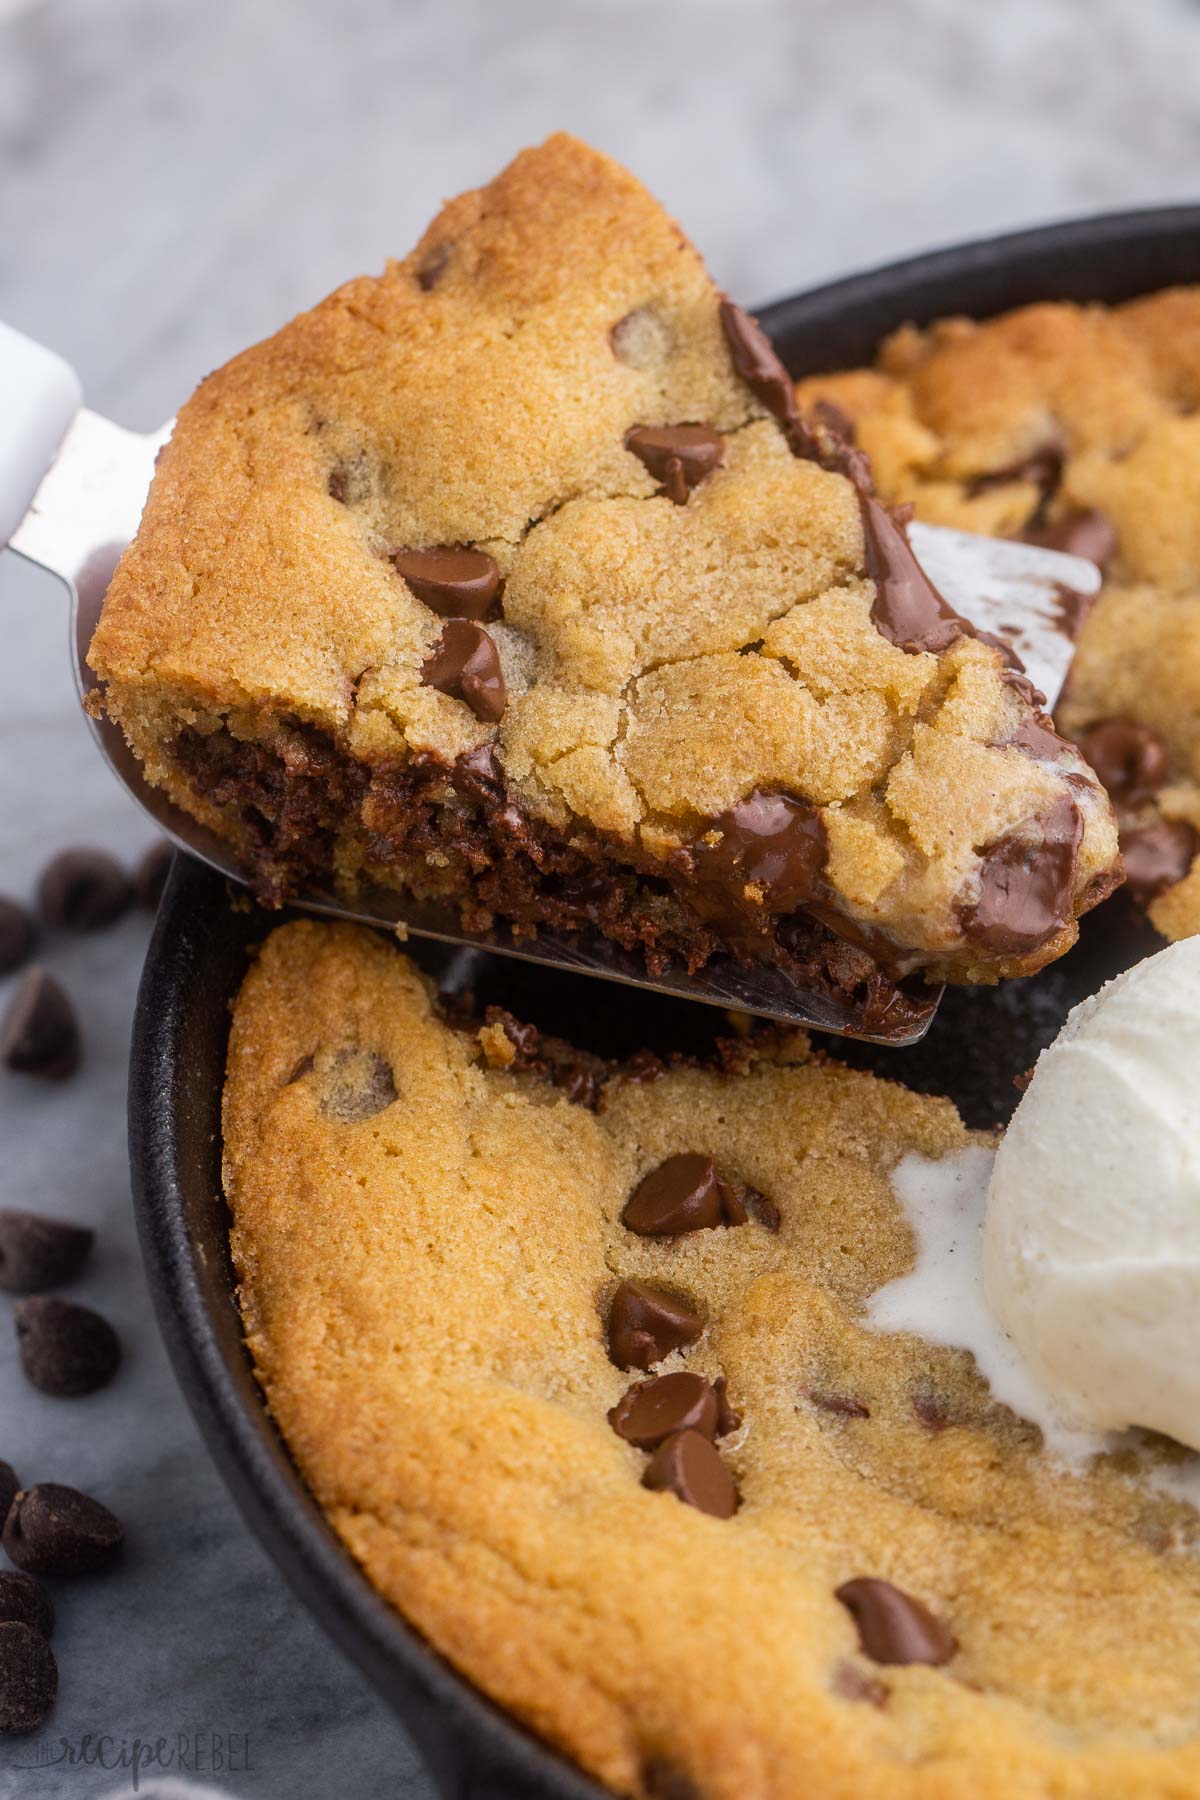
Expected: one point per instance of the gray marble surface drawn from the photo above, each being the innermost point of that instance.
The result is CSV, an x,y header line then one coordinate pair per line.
x,y
174,180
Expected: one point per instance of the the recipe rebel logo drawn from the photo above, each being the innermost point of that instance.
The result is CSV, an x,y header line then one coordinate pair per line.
x,y
181,1753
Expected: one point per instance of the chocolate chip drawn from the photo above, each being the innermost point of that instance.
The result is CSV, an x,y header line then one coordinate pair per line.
x,y
37,1252
1130,761
1037,738
1085,532
39,1034
55,1530
65,1349
755,361
432,266
727,1419
456,584
685,1193
359,1084
82,890
679,456
1042,466
466,666
28,1677
893,1627
150,876
17,934
1157,856
645,1324
762,1211
845,1405
768,841
1027,885
688,1466
907,609
834,419
652,1410
8,1488
24,1600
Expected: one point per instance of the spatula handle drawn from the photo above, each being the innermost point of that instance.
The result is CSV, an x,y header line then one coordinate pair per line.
x,y
39,396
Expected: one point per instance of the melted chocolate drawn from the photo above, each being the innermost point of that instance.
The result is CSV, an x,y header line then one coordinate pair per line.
x,y
1081,532
755,360
466,666
907,609
1157,856
457,584
679,456
770,841
1130,761
1027,885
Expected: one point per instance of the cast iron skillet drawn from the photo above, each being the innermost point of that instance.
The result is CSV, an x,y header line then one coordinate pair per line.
x,y
199,953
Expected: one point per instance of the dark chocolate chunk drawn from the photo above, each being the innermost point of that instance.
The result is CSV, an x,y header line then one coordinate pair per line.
x,y
39,1034
688,1466
907,609
38,1253
457,584
17,934
845,1405
150,876
360,1083
55,1530
1038,738
1157,856
65,1349
28,1677
8,1488
756,362
893,1627
645,1324
685,1193
768,841
652,1410
679,456
1129,759
465,665
23,1599
82,890
1085,532
1027,885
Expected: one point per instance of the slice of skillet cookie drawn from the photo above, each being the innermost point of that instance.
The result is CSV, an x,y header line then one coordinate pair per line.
x,y
510,577
590,1395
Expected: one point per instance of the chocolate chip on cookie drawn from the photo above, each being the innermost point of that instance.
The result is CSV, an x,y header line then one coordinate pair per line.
x,y
17,934
907,610
358,1084
1128,758
688,1466
893,1627
28,1677
680,456
56,1530
65,1350
465,665
38,1253
652,1410
1026,883
685,1193
83,890
457,584
1157,856
39,1034
755,360
773,844
646,1323
25,1601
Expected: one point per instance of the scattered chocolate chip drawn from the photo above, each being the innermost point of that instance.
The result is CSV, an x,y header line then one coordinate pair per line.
x,y
727,1419
39,1034
849,1683
762,1211
580,1084
907,610
645,1324
1042,466
55,1530
150,876
1081,532
466,666
845,1405
1130,761
1021,684
456,584
28,1677
679,456
688,1466
432,266
685,1193
767,841
1157,856
17,935
360,1083
38,1253
1027,885
24,1601
755,361
1037,738
893,1627
82,890
65,1349
8,1488
652,1410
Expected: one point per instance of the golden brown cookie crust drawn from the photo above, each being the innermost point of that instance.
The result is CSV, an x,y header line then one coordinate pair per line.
x,y
662,661
424,1282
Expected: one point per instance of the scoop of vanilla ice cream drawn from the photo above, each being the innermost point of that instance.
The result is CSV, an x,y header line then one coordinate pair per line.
x,y
1092,1235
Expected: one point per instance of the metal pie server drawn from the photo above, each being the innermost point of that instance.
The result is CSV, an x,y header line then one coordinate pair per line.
x,y
72,488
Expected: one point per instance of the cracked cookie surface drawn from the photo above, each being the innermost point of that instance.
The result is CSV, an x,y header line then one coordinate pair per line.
x,y
650,612
1078,426
873,1584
